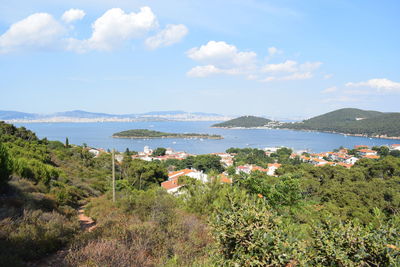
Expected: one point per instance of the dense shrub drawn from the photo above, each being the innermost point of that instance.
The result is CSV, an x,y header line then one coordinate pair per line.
x,y
248,233
34,234
5,166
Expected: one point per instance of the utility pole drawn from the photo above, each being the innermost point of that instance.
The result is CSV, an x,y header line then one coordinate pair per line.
x,y
113,174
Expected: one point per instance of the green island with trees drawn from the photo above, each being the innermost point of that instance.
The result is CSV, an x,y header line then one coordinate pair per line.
x,y
144,133
244,122
303,216
353,122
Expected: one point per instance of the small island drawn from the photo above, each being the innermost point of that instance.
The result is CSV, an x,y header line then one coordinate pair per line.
x,y
144,134
244,122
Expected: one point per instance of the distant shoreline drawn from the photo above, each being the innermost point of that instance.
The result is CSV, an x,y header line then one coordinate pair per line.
x,y
356,135
307,130
171,137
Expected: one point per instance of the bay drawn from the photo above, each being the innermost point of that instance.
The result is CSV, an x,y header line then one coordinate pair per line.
x,y
99,134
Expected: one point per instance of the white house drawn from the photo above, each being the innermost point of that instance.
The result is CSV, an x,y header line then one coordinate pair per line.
x,y
394,147
272,167
94,151
147,150
367,152
351,160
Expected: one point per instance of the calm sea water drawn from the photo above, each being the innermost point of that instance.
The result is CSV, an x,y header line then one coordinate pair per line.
x,y
99,135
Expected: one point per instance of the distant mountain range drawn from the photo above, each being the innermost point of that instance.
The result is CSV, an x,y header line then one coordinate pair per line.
x,y
353,122
84,116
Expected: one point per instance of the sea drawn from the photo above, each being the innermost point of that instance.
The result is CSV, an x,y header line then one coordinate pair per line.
x,y
99,135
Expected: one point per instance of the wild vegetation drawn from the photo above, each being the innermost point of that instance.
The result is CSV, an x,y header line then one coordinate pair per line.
x,y
144,133
244,121
304,216
352,121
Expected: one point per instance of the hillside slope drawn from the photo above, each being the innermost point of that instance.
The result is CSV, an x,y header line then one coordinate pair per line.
x,y
244,121
353,121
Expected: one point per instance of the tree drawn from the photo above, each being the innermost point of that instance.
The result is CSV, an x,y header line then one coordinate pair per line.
x,y
66,142
142,174
383,151
160,151
5,166
395,153
207,163
248,233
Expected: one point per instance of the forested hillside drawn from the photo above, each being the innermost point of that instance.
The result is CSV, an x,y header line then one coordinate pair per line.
x,y
352,121
244,121
303,216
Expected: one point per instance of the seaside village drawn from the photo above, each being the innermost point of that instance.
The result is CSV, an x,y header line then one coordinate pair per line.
x,y
344,157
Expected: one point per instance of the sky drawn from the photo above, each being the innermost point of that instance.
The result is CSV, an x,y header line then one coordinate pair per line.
x,y
275,58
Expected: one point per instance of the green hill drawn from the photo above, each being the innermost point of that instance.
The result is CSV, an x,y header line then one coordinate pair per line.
x,y
352,121
144,133
244,121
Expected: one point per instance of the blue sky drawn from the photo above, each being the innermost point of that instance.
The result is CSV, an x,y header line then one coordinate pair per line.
x,y
276,58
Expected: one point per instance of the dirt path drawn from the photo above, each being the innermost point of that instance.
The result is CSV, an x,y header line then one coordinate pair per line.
x,y
87,223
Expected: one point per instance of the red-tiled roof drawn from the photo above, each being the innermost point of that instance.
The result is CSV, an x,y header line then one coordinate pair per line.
x,y
176,174
371,157
170,184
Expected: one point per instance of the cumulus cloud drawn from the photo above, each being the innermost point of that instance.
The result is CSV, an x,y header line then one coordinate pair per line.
x,y
274,51
207,70
298,71
170,35
291,77
73,15
221,54
329,90
287,66
382,85
291,66
114,27
37,30
221,58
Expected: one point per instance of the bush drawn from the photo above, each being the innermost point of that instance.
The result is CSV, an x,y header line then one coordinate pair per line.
x,y
5,166
34,234
247,233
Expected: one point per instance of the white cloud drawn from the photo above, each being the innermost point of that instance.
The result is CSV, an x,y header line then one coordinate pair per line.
x,y
291,66
310,66
203,71
298,76
382,85
207,70
274,51
222,54
292,77
329,90
328,76
287,66
73,15
281,70
37,30
223,58
170,35
114,27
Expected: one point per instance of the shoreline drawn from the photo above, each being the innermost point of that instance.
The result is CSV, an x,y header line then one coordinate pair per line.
x,y
169,137
304,130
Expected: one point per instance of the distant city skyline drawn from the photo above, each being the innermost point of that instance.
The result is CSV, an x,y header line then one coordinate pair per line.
x,y
274,58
